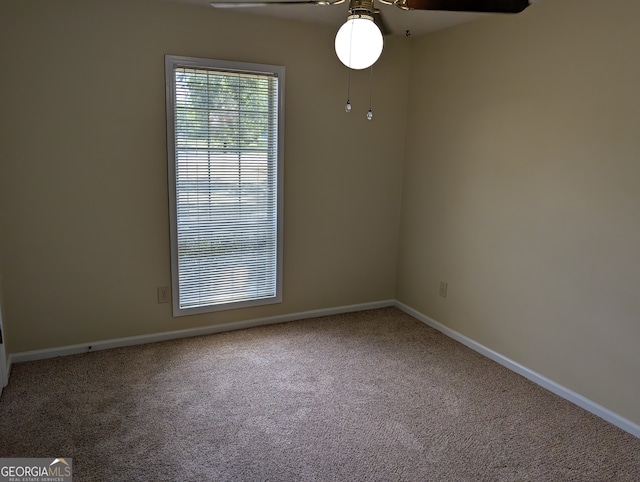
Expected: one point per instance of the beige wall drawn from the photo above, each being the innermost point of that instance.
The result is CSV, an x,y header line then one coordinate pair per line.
x,y
522,190
83,175
520,177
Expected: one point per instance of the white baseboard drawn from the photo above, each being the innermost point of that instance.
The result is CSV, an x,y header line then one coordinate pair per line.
x,y
172,335
571,396
576,398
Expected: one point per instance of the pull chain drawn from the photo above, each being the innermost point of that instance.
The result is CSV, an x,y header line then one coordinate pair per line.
x,y
370,112
347,108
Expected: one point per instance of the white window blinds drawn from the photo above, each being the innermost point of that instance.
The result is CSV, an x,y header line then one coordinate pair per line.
x,y
225,127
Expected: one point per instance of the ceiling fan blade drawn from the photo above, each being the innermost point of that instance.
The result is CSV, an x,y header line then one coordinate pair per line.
x,y
262,3
490,6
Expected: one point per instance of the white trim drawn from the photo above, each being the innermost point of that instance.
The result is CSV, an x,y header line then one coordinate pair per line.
x,y
205,330
277,93
554,387
4,368
9,363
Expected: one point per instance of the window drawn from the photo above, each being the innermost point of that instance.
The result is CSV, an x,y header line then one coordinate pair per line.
x,y
224,138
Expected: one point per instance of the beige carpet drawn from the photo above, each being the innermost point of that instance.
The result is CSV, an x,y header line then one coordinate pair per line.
x,y
369,396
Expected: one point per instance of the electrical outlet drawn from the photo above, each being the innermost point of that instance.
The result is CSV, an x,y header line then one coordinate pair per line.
x,y
443,289
164,294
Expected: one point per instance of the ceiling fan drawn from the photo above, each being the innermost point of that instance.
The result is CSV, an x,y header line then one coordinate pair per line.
x,y
363,14
359,41
490,6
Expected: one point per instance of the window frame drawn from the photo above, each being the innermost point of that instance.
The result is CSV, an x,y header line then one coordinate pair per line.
x,y
171,63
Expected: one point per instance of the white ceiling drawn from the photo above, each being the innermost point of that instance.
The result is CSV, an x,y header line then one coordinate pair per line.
x,y
416,21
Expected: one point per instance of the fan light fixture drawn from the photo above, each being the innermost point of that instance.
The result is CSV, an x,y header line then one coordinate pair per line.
x,y
359,42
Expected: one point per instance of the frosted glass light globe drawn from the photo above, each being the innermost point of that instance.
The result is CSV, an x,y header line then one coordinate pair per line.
x,y
359,42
